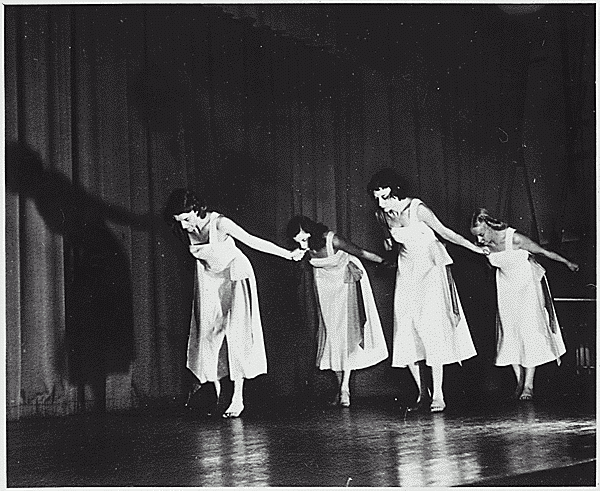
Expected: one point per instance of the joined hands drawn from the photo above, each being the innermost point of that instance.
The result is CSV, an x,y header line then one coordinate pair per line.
x,y
297,255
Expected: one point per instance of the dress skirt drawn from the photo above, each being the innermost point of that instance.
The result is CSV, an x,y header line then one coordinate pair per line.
x,y
225,312
350,336
429,322
528,333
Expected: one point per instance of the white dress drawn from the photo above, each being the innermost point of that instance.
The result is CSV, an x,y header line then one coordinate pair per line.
x,y
429,322
225,308
350,335
528,332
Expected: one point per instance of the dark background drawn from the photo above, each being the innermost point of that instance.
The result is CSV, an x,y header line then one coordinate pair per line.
x,y
272,110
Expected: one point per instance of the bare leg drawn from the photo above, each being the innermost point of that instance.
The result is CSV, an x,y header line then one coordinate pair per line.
x,y
527,393
344,387
217,388
437,373
415,370
195,388
518,369
237,401
419,373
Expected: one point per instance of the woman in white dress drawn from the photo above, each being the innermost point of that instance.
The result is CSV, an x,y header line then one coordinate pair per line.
x,y
429,324
349,335
528,333
226,335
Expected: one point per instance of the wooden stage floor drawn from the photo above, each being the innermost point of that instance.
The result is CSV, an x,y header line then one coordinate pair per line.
x,y
373,443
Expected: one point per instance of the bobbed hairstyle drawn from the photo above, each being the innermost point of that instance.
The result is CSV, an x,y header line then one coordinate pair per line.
x,y
316,230
182,201
483,216
387,178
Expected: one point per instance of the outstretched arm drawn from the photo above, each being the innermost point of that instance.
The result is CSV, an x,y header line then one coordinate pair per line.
x,y
350,248
433,222
524,242
228,226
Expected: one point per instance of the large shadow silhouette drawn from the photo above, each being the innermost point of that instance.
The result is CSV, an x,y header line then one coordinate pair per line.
x,y
98,289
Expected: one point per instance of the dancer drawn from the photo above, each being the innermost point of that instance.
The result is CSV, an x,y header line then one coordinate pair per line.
x,y
226,332
429,323
350,336
528,333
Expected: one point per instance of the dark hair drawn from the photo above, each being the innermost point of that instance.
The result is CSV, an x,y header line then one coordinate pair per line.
x,y
182,201
387,178
483,216
316,230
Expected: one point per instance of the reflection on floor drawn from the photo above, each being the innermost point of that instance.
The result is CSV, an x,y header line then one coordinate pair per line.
x,y
373,443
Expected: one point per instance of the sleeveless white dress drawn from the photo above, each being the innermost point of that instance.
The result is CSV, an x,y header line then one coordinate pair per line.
x,y
528,332
429,322
350,335
225,309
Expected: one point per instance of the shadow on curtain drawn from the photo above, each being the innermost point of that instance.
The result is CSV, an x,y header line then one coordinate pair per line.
x,y
98,337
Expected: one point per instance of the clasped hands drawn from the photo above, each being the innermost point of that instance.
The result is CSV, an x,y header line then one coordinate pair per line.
x,y
297,254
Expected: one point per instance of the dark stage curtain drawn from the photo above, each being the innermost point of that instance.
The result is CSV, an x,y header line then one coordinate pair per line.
x,y
110,107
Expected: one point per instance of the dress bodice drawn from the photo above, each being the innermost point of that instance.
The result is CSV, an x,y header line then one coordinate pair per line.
x,y
333,260
416,233
509,259
419,240
217,255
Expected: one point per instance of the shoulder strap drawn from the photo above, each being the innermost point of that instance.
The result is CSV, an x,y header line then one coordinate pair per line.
x,y
412,212
329,242
212,228
508,241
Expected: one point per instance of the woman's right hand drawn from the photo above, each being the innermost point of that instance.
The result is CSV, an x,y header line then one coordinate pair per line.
x,y
572,266
297,255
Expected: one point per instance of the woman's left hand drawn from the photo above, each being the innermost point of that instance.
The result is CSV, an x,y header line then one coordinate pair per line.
x,y
573,266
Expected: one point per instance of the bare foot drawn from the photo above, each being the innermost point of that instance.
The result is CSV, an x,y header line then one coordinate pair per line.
x,y
234,410
195,388
345,398
526,395
518,391
437,405
421,403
